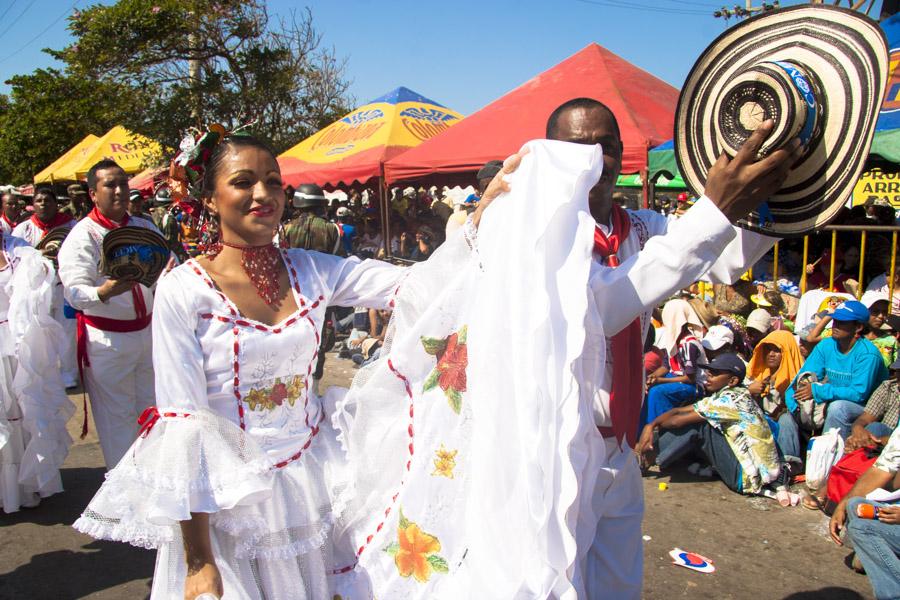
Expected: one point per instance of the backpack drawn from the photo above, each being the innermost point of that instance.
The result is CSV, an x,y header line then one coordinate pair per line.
x,y
848,470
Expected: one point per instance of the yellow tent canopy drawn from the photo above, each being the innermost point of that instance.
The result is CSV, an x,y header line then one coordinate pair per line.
x,y
79,149
130,150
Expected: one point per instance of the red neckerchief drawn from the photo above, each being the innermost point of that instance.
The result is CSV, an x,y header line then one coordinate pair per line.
x,y
97,217
7,221
627,345
59,219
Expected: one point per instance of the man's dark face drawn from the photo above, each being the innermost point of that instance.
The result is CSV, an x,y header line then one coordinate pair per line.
x,y
111,195
11,207
45,207
594,126
845,330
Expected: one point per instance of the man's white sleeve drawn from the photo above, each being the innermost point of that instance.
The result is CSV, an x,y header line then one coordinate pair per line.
x,y
689,248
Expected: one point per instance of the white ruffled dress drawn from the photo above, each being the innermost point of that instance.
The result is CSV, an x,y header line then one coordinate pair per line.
x,y
242,435
34,408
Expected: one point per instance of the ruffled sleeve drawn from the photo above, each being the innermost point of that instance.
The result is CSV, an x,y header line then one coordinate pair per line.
x,y
187,458
354,282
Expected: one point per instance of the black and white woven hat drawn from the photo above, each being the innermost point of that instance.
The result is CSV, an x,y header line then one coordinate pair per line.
x,y
50,244
820,72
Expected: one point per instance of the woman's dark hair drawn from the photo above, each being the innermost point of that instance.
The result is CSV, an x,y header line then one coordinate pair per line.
x,y
214,163
45,191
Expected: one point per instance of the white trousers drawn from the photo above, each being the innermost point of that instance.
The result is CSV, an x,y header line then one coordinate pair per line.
x,y
120,385
613,567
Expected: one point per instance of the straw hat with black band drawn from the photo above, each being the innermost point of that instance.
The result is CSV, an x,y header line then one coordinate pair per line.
x,y
820,73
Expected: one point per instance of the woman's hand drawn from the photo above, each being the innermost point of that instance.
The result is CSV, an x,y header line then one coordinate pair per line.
x,y
203,579
756,388
497,185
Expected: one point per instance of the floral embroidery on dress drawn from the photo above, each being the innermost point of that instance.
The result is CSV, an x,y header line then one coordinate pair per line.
x,y
450,371
275,396
416,552
444,462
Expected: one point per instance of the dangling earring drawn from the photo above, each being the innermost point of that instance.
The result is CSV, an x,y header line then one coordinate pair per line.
x,y
282,237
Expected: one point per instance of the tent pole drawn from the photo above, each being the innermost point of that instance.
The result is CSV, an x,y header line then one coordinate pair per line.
x,y
384,207
645,188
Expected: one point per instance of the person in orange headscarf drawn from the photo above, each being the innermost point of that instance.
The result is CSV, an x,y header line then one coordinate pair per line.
x,y
775,362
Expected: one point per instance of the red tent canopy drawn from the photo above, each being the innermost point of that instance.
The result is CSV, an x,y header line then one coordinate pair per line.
x,y
643,104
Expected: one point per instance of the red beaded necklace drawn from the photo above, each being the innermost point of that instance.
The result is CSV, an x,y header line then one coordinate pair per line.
x,y
260,263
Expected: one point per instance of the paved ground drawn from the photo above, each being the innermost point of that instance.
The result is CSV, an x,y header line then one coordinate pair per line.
x,y
760,550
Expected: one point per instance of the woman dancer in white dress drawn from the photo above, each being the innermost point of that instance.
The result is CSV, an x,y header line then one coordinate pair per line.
x,y
237,477
12,435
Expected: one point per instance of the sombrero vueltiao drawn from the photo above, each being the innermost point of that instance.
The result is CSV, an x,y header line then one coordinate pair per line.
x,y
134,254
49,244
818,71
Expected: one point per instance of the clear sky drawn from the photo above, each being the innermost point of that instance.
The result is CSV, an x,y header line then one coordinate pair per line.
x,y
463,54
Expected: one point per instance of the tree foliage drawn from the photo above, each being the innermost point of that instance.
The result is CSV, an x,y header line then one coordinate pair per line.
x,y
131,64
248,68
48,112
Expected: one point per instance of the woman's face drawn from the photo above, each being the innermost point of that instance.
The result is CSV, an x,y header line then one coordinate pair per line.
x,y
248,196
878,314
772,355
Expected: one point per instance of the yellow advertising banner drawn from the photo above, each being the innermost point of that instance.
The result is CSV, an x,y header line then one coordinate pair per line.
x,y
877,185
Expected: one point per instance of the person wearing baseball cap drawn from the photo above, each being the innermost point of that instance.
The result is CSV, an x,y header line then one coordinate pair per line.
x,y
847,369
136,205
718,340
728,427
79,204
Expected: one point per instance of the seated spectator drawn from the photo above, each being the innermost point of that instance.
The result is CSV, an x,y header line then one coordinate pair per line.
x,y
880,284
819,272
879,419
875,540
679,341
759,324
718,340
877,330
847,369
727,426
424,246
364,348
774,364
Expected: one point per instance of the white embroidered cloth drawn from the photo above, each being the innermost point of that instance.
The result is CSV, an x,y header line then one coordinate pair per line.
x,y
473,448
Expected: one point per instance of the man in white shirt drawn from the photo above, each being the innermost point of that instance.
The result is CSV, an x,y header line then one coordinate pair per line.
x,y
640,259
114,343
12,211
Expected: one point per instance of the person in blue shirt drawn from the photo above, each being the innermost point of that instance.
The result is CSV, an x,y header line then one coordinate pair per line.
x,y
847,369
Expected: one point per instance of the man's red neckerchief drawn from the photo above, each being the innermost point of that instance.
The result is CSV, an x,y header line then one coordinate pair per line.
x,y
627,345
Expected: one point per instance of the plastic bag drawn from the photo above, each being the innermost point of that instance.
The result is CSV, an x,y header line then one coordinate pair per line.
x,y
822,453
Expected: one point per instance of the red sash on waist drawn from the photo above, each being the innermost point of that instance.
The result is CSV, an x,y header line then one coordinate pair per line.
x,y
103,324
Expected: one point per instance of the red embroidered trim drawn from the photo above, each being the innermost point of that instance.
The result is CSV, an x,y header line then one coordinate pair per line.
x,y
411,432
236,322
343,570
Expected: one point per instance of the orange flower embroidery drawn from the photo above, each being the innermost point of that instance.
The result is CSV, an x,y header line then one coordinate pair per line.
x,y
275,396
450,371
415,553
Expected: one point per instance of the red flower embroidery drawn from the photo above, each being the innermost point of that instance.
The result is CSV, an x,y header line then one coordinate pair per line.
x,y
279,393
450,371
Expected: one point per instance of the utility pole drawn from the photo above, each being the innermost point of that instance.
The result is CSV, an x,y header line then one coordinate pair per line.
x,y
748,10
